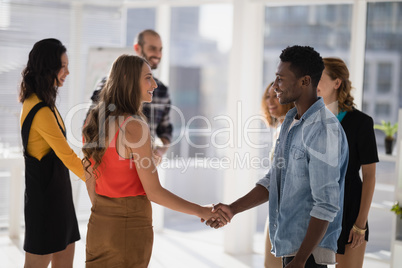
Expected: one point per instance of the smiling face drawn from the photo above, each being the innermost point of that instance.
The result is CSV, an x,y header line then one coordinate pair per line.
x,y
63,72
151,50
147,83
274,107
287,86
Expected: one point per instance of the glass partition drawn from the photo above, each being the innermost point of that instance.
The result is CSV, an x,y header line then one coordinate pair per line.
x,y
382,92
200,42
327,28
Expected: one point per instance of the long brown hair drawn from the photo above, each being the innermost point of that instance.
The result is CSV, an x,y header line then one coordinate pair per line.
x,y
272,121
120,96
40,74
336,68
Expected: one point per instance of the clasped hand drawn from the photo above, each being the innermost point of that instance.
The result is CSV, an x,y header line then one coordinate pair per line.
x,y
221,215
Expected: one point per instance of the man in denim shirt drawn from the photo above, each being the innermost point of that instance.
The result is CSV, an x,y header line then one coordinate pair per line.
x,y
305,185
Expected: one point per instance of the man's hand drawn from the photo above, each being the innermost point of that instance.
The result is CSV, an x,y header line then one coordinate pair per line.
x,y
295,264
223,211
255,197
219,217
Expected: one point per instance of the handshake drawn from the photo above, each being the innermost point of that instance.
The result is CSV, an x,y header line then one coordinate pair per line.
x,y
217,216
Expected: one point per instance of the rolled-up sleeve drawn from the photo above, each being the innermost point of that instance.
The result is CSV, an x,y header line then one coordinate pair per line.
x,y
265,181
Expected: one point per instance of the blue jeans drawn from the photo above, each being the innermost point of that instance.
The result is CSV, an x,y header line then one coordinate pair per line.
x,y
309,264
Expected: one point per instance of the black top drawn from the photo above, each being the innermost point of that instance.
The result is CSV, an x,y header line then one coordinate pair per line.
x,y
359,130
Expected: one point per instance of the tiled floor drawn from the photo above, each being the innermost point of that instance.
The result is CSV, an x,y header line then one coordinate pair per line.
x,y
198,249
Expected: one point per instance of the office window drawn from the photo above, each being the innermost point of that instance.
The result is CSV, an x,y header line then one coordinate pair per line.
x,y
384,77
324,27
138,19
200,41
364,105
366,84
384,55
17,39
23,24
382,108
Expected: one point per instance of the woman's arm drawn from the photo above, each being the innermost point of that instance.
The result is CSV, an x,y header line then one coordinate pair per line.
x,y
368,172
46,125
90,183
137,140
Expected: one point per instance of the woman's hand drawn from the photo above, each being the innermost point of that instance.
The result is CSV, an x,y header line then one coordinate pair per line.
x,y
219,217
356,237
220,209
90,183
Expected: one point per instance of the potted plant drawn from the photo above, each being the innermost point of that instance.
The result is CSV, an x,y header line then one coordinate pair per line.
x,y
389,131
397,209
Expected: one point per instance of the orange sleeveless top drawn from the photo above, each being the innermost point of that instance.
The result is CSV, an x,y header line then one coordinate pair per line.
x,y
117,176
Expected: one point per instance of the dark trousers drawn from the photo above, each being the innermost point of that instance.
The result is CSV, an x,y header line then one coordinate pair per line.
x,y
309,264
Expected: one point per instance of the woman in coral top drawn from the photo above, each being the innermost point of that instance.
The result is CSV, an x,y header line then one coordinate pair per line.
x,y
118,157
51,227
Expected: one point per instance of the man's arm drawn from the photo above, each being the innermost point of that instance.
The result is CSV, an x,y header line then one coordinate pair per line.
x,y
257,196
315,232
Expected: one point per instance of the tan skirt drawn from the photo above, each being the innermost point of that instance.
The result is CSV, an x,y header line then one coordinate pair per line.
x,y
119,232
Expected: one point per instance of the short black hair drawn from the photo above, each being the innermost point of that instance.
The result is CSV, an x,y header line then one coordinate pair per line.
x,y
304,60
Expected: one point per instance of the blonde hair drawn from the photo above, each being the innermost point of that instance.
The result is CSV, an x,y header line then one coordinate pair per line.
x,y
336,68
121,95
272,121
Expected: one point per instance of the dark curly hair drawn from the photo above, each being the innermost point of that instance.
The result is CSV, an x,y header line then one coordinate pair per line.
x,y
40,74
304,60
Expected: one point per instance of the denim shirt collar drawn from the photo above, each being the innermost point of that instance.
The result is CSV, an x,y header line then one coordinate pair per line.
x,y
313,108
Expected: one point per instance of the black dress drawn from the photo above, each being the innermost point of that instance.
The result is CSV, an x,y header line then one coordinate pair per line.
x,y
359,131
50,220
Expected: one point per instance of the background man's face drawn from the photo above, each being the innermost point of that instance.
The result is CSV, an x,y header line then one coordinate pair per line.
x,y
152,50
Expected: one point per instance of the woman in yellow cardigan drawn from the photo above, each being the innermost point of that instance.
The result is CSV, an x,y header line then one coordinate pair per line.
x,y
51,227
